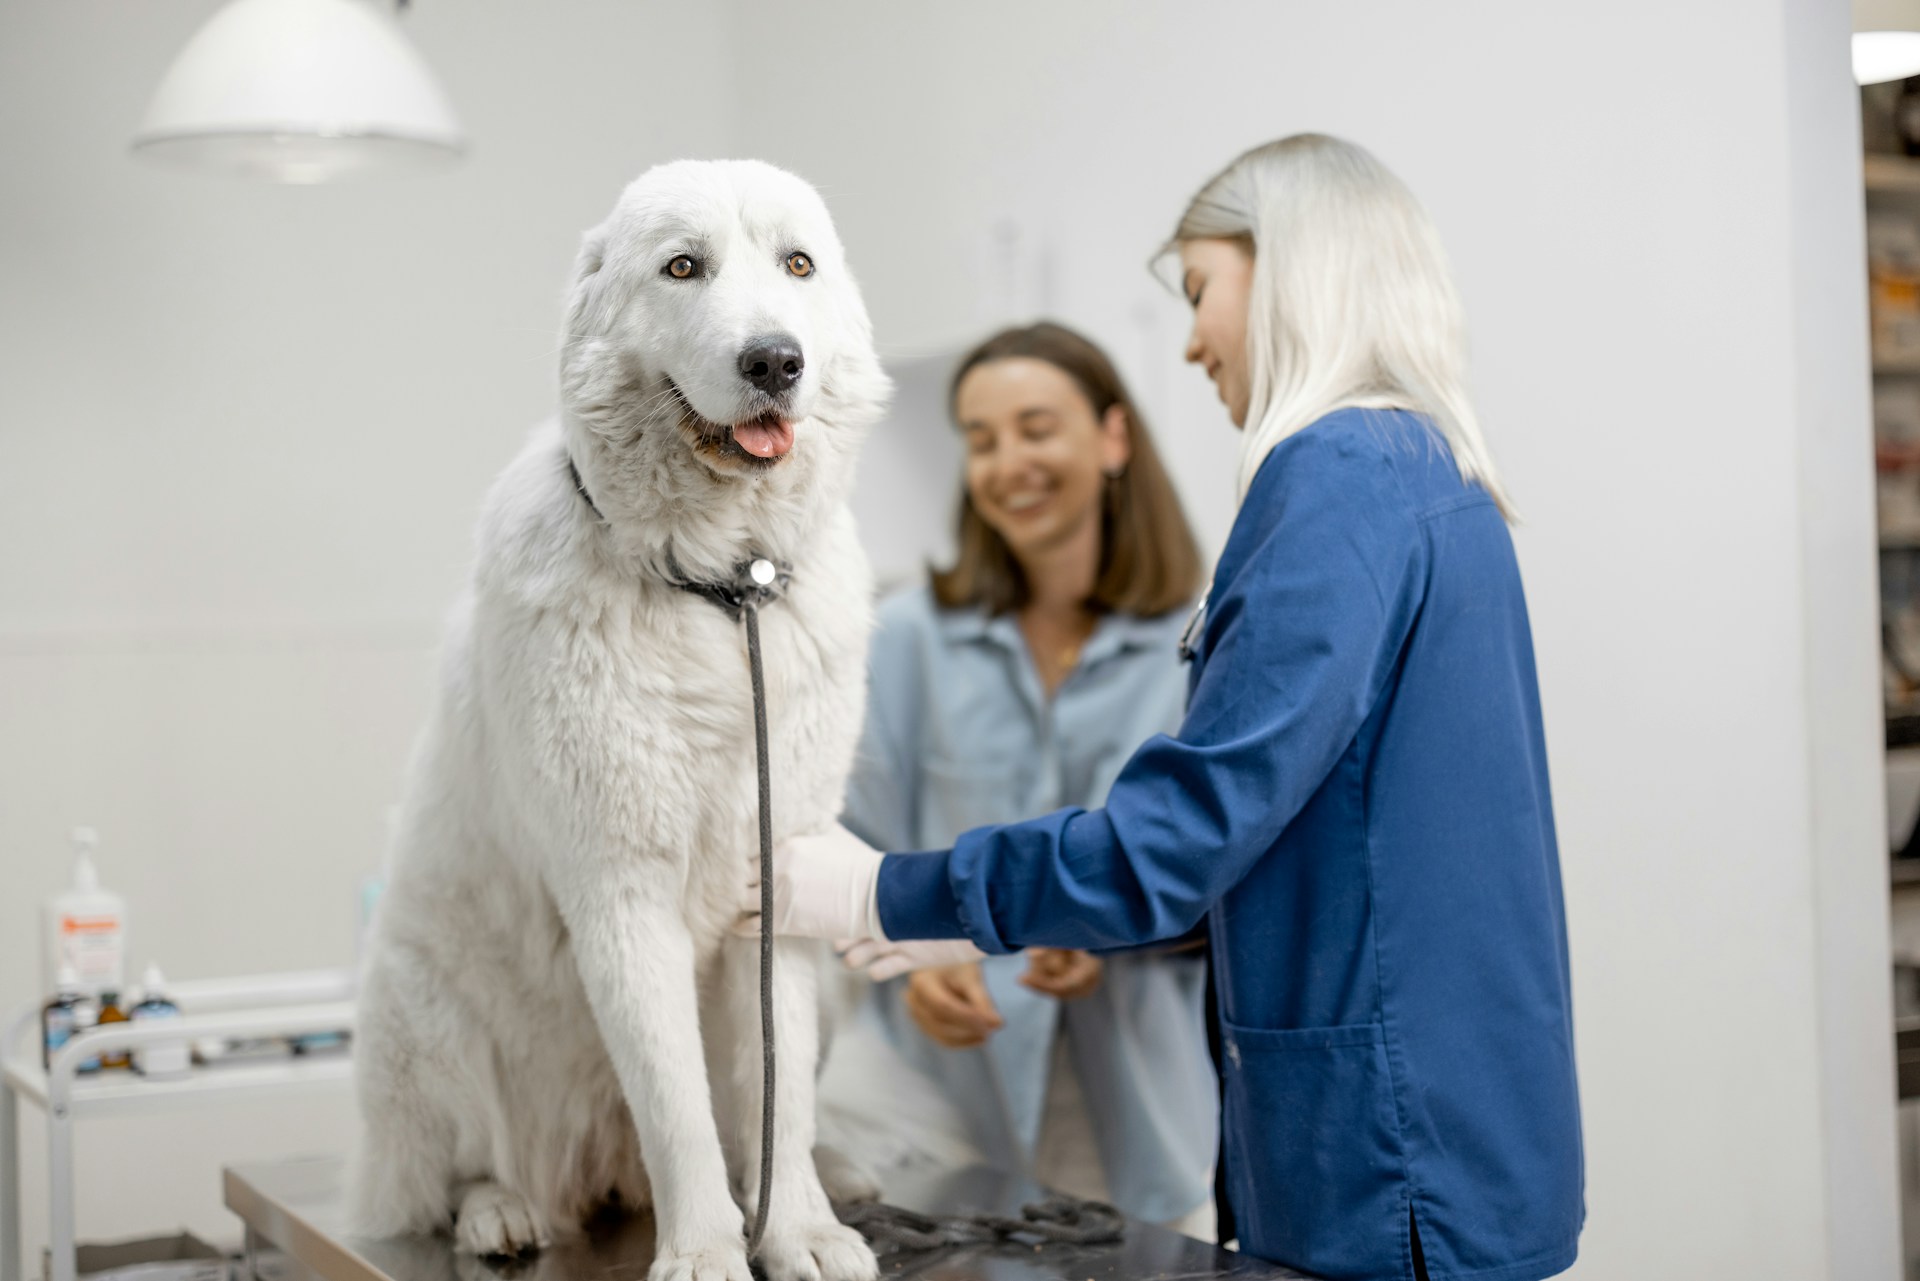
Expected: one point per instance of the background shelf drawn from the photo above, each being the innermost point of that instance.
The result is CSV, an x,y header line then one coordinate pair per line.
x,y
1892,175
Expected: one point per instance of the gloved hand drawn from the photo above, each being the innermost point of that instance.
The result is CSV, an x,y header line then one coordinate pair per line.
x,y
883,960
824,887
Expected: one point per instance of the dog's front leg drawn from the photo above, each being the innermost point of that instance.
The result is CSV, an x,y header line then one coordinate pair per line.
x,y
636,962
803,1240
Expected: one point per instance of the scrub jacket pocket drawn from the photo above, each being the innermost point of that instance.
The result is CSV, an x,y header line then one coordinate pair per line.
x,y
1312,1127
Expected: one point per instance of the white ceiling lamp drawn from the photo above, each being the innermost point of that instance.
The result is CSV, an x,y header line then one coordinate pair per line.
x,y
1886,40
300,91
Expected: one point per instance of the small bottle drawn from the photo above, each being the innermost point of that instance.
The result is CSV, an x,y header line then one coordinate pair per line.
x,y
162,1060
110,1012
69,1013
87,1014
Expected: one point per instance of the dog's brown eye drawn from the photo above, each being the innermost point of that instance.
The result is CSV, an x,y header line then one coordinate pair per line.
x,y
682,267
800,265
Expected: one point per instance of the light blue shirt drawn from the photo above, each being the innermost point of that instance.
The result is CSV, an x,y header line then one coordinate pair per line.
x,y
960,733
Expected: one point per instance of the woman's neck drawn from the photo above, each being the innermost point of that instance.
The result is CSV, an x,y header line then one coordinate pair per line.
x,y
1060,579
1056,620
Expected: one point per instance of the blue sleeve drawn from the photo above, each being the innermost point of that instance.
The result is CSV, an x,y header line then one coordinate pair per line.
x,y
1319,585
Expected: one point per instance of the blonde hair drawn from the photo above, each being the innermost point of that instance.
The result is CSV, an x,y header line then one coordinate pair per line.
x,y
1352,301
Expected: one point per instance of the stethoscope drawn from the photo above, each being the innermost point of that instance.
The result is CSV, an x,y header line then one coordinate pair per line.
x,y
1196,625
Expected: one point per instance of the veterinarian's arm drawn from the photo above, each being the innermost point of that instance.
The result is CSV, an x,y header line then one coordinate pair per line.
x,y
1300,643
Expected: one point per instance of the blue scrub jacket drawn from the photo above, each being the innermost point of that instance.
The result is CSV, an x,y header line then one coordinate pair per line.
x,y
1358,802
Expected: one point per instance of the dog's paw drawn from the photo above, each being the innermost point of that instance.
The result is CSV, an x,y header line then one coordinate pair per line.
x,y
819,1251
495,1221
843,1178
722,1261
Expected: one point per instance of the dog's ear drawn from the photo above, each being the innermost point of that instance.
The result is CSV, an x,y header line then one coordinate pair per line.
x,y
857,387
592,255
584,293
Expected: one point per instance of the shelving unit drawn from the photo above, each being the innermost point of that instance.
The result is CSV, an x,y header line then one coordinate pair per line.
x,y
1893,186
275,1005
1892,175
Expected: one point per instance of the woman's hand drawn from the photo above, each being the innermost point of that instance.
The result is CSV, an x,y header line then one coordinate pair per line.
x,y
1061,973
951,1005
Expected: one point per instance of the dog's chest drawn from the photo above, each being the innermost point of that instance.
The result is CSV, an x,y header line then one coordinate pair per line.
x,y
687,687
814,671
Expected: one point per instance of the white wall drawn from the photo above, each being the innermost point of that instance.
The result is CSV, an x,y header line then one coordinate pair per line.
x,y
243,432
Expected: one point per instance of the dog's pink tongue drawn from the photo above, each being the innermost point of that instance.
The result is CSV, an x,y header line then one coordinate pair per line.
x,y
765,437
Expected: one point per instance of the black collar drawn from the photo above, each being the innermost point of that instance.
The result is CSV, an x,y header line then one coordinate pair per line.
x,y
758,580
580,487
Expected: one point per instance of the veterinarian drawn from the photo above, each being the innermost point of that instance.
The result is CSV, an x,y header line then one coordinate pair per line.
x,y
1357,800
1017,681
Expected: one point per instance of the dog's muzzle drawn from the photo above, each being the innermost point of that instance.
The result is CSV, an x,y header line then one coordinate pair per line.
x,y
760,440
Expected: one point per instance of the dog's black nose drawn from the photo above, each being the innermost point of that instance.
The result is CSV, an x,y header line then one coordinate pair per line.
x,y
773,363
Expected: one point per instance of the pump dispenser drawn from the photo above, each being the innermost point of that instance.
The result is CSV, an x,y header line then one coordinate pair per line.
x,y
85,927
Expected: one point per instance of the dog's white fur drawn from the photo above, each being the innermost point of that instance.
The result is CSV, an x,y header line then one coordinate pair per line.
x,y
554,992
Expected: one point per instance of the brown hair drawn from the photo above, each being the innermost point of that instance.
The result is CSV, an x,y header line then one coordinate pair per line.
x,y
1149,564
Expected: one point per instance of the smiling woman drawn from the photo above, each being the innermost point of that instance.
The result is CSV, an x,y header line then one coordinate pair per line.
x,y
1018,684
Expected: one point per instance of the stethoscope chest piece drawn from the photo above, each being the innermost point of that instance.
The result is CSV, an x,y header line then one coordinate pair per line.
x,y
1195,628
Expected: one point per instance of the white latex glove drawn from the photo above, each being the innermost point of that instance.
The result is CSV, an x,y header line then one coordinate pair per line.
x,y
882,960
824,887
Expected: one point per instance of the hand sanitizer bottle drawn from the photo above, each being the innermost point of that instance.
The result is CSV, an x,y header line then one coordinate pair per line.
x,y
86,926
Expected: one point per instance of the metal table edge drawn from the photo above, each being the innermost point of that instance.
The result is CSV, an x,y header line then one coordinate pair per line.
x,y
286,1230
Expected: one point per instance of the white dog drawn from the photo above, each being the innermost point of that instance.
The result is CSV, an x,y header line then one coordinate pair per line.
x,y
554,993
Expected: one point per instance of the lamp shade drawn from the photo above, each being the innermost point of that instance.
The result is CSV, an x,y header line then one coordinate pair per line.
x,y
1886,40
299,91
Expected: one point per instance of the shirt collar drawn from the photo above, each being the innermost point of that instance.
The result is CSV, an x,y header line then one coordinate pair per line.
x,y
1114,634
